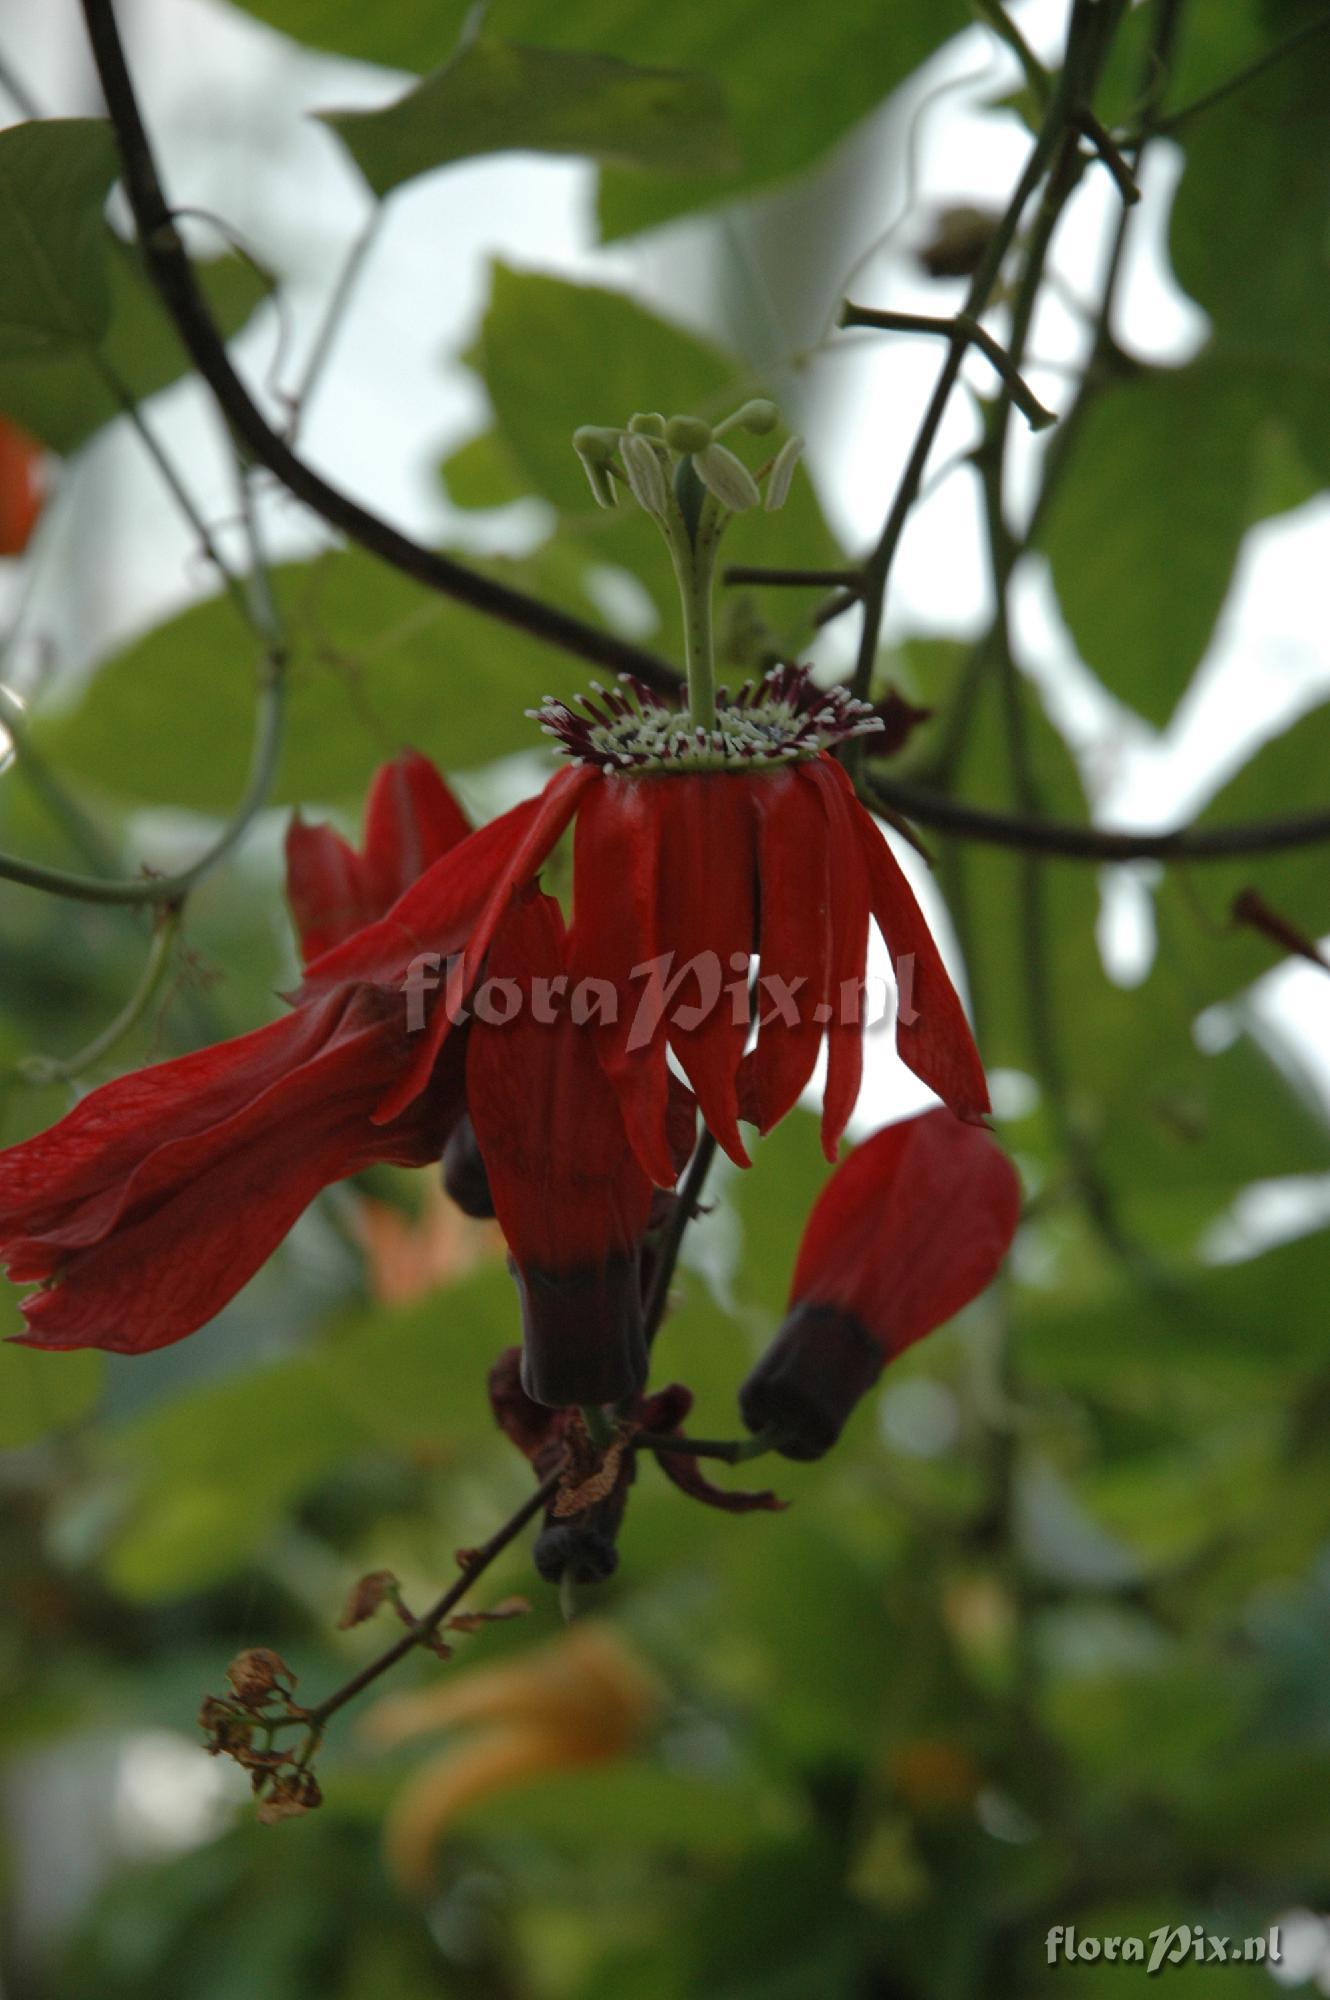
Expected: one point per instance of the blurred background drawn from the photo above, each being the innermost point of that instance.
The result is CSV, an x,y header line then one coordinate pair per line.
x,y
1043,1642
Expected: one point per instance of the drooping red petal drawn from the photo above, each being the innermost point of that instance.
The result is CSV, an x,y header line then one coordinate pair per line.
x,y
98,1144
849,949
932,1033
571,1198
795,916
411,820
200,1214
615,939
910,1227
324,887
705,900
555,806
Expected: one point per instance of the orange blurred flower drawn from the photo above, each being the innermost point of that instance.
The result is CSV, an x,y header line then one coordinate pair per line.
x,y
22,488
409,1256
583,1699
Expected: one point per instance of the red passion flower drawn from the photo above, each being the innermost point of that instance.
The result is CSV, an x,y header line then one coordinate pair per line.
x,y
912,1225
160,1194
697,855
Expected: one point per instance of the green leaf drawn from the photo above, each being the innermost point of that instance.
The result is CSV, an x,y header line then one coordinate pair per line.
x,y
40,1393
376,662
217,1467
481,473
1287,776
1248,235
1192,1129
1171,467
555,355
796,78
1239,1328
64,396
1146,525
54,178
496,97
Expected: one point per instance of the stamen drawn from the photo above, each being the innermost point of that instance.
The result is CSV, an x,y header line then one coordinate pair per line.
x,y
778,720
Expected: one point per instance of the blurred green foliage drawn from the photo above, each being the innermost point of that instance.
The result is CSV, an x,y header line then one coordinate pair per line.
x,y
1043,1642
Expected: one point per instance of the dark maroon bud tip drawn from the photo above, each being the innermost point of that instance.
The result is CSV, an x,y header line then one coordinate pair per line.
x,y
464,1175
583,1340
565,1549
809,1380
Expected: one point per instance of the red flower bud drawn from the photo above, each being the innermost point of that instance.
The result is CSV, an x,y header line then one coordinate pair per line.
x,y
911,1226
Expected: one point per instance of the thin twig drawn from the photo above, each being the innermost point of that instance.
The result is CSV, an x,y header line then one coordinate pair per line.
x,y
791,578
732,1451
1290,44
877,570
1110,153
172,888
965,327
326,337
667,1254
39,1069
173,274
1062,840
424,1628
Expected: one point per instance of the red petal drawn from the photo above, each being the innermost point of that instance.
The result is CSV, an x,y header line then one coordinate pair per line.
x,y
324,886
795,903
437,913
570,1196
849,949
567,1189
411,820
911,1226
553,809
201,1214
615,862
98,1144
705,900
935,1040
687,1475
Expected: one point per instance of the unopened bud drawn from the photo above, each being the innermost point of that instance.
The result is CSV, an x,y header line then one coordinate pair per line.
x,y
727,477
645,476
758,416
647,423
807,1383
688,434
782,472
596,446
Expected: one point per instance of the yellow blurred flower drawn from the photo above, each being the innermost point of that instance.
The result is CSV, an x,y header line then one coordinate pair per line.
x,y
583,1699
